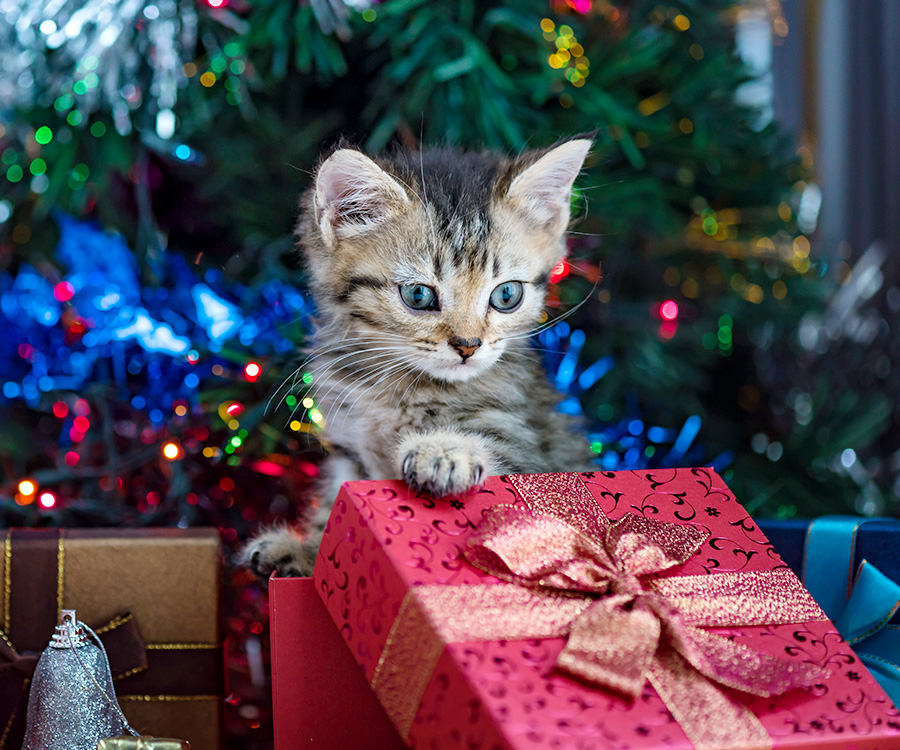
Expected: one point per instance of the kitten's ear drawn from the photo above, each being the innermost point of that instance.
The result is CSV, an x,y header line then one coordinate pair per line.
x,y
354,195
543,190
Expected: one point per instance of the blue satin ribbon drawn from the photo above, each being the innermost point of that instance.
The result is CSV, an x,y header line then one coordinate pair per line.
x,y
860,602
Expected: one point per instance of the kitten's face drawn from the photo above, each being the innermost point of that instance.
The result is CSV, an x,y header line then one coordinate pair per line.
x,y
438,277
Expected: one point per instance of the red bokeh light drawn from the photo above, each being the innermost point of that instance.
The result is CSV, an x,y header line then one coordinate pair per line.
x,y
668,310
559,272
60,409
64,291
252,371
47,500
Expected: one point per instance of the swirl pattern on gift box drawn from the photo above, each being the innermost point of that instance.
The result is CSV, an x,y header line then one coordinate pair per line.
x,y
505,693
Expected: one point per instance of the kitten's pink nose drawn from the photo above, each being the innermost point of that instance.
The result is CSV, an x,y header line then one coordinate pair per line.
x,y
465,347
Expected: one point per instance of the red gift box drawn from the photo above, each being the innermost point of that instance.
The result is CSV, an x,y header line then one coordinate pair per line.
x,y
395,573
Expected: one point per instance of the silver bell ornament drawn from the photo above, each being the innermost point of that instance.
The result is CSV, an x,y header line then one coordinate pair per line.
x,y
72,704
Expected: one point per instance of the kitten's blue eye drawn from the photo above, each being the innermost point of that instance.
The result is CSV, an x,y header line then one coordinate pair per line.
x,y
507,296
419,297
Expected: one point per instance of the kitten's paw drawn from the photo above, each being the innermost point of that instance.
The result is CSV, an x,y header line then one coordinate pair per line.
x,y
442,463
280,550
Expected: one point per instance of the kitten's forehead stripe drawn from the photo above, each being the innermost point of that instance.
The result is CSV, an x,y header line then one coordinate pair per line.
x,y
438,265
459,190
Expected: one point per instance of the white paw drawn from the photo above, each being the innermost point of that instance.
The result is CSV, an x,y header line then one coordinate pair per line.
x,y
442,463
279,550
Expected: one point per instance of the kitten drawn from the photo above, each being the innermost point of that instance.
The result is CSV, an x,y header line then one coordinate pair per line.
x,y
430,271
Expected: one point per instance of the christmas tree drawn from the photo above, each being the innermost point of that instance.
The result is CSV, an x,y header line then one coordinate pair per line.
x,y
153,308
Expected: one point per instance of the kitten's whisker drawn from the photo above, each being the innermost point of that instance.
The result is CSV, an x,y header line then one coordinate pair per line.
x,y
329,374
364,389
543,327
328,365
317,369
366,392
293,376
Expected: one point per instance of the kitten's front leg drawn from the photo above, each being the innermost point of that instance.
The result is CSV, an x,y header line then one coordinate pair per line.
x,y
441,462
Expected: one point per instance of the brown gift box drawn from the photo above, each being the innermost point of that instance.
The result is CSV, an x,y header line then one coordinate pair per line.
x,y
165,581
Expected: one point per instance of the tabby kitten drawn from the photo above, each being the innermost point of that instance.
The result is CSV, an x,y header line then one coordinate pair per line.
x,y
430,271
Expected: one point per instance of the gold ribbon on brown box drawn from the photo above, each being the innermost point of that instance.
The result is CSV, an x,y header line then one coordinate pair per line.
x,y
33,585
573,573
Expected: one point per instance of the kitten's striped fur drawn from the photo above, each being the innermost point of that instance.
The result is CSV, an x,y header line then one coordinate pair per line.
x,y
442,397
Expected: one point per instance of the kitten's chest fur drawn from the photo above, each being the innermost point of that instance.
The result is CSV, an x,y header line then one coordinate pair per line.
x,y
512,406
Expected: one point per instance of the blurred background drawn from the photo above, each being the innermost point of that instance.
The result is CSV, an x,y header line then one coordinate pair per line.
x,y
735,249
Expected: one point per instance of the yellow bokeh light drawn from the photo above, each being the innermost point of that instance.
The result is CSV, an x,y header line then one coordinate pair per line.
x,y
690,288
682,22
685,125
565,30
171,450
208,78
779,289
784,212
308,402
696,51
547,25
233,424
801,246
27,487
181,410
295,425
654,103
754,293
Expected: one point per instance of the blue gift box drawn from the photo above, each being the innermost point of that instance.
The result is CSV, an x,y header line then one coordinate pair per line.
x,y
851,566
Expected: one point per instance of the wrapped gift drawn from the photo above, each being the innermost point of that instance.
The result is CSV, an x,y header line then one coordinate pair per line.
x,y
154,598
851,566
607,610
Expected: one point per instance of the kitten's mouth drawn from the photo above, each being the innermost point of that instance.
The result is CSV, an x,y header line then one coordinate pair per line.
x,y
464,367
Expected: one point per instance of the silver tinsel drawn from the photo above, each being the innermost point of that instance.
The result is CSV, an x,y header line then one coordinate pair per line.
x,y
72,704
112,55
